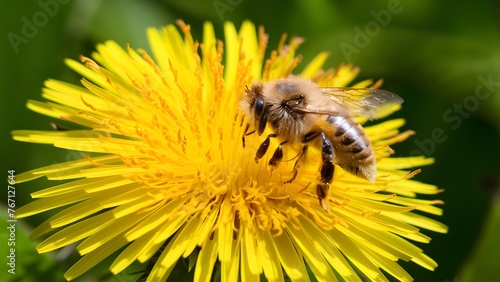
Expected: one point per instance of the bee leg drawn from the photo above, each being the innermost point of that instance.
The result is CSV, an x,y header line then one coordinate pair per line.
x,y
263,147
246,133
277,156
327,168
298,163
326,177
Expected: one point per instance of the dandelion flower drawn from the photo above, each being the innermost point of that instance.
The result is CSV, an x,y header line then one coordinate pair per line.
x,y
163,170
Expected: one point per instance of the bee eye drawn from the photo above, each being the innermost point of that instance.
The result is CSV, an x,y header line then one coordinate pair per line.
x,y
259,107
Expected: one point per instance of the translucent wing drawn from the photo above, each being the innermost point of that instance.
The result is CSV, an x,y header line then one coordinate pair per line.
x,y
362,102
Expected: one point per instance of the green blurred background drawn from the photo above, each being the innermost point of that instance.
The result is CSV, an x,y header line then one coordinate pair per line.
x,y
442,58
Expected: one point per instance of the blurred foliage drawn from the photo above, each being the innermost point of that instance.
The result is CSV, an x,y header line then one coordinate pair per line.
x,y
482,265
443,58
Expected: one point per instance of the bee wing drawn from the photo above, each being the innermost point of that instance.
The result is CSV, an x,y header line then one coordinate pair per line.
x,y
361,102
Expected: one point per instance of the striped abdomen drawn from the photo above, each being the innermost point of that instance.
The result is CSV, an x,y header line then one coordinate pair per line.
x,y
353,149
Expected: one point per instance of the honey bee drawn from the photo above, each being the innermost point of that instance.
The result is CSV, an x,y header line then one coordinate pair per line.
x,y
300,112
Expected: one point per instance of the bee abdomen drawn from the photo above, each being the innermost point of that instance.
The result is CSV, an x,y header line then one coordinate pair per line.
x,y
351,137
354,152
